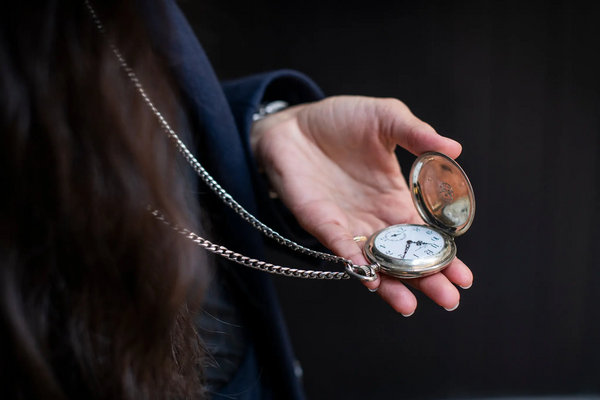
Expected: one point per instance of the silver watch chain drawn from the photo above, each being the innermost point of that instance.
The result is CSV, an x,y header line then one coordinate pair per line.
x,y
361,272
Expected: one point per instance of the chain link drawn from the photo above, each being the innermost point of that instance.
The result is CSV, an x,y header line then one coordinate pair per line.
x,y
366,272
251,262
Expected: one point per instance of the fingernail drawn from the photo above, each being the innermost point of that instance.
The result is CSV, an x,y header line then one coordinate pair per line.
x,y
407,315
373,290
465,287
453,308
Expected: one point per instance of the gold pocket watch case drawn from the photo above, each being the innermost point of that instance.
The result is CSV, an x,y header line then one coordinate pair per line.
x,y
444,198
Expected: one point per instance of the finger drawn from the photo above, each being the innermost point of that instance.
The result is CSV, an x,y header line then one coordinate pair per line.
x,y
374,285
402,127
439,289
398,296
459,274
338,239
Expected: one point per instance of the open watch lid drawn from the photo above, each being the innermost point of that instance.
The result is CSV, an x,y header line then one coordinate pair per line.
x,y
442,193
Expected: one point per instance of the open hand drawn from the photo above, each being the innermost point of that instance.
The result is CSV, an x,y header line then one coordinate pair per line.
x,y
333,165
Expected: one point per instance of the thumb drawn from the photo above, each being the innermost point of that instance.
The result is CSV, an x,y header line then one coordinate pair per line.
x,y
403,128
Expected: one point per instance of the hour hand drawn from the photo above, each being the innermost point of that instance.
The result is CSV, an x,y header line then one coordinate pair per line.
x,y
408,243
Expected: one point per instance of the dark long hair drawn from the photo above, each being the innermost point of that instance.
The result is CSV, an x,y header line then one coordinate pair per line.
x,y
95,294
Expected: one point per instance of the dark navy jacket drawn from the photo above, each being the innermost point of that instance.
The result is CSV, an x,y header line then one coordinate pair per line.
x,y
221,117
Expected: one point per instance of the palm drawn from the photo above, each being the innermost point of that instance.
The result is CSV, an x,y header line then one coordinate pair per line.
x,y
334,166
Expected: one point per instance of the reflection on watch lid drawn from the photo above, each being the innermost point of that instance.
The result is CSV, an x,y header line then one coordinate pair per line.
x,y
442,193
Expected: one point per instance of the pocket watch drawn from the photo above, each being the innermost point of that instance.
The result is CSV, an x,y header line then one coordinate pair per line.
x,y
444,198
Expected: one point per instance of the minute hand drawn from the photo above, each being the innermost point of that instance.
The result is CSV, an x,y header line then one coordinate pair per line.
x,y
420,243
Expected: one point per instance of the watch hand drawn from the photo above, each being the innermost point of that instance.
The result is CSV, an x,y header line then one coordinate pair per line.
x,y
408,243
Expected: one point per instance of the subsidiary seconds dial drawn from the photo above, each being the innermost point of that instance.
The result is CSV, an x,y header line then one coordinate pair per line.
x,y
395,235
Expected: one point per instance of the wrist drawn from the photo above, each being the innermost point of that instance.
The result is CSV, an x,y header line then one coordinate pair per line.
x,y
265,124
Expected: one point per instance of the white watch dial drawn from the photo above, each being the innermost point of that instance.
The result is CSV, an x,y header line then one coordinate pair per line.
x,y
409,242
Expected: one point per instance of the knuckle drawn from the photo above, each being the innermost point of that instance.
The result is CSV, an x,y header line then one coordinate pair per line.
x,y
412,137
390,114
339,239
391,106
417,133
395,103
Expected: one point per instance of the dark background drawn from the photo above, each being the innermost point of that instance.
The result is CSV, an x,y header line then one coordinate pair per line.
x,y
517,84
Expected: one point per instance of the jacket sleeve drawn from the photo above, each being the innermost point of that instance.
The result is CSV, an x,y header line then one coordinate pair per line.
x,y
245,96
